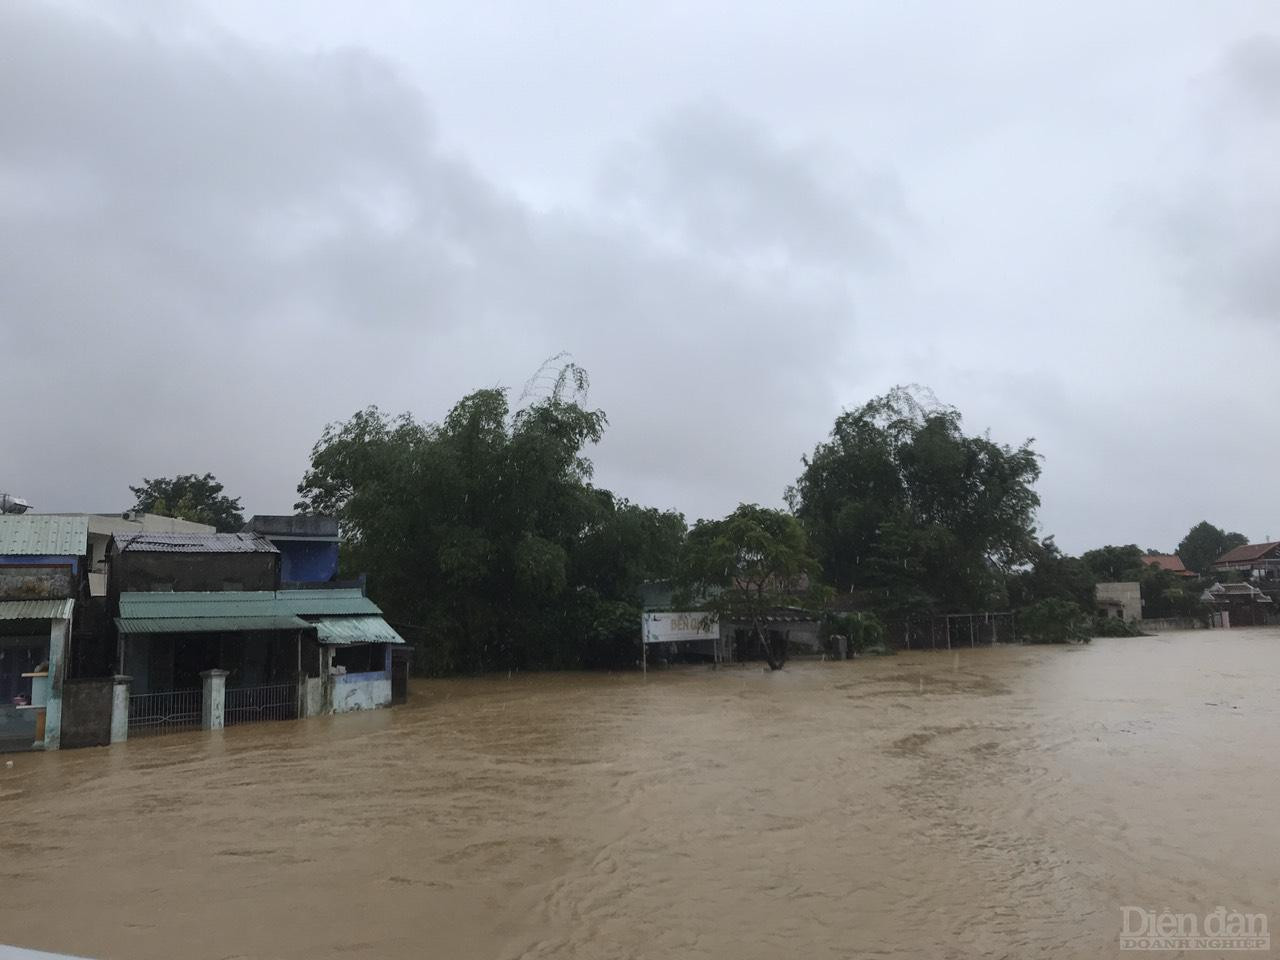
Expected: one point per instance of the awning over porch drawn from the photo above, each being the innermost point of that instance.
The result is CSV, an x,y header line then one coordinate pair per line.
x,y
341,616
221,612
36,609
340,631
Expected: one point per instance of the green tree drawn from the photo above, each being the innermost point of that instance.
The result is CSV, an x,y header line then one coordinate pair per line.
x,y
1111,564
1054,621
1205,543
483,535
912,514
751,561
1052,574
190,497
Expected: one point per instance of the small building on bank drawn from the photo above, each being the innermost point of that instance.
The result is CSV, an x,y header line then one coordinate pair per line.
x,y
1121,600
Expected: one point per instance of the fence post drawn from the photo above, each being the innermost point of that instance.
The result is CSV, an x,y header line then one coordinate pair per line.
x,y
214,698
120,709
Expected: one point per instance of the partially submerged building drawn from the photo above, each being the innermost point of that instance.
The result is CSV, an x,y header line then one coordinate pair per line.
x,y
1121,600
1243,604
42,579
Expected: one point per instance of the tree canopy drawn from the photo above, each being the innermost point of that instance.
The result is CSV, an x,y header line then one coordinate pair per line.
x,y
751,561
483,536
911,513
190,497
1205,543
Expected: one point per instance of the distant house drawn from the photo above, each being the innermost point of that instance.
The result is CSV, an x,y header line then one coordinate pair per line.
x,y
1254,561
1168,561
43,571
1120,600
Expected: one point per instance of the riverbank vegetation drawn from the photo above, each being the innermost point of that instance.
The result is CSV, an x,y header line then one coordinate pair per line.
x,y
486,542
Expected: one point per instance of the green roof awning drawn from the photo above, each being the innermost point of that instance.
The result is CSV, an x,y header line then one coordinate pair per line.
x,y
209,624
36,609
328,602
342,631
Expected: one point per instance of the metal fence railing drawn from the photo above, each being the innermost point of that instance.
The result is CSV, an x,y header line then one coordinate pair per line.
x,y
272,701
163,712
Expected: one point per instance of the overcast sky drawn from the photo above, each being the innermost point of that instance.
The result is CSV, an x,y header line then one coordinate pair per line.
x,y
223,226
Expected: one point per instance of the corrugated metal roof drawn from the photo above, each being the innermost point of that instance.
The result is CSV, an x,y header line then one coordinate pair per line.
x,y
192,543
341,631
321,602
44,535
208,624
36,609
225,603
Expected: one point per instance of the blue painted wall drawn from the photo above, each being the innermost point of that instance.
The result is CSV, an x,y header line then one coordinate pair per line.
x,y
307,561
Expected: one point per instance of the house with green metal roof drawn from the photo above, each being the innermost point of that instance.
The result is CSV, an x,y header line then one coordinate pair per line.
x,y
330,648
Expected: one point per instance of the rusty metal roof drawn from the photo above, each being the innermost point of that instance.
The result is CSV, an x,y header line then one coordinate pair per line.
x,y
44,535
192,543
36,609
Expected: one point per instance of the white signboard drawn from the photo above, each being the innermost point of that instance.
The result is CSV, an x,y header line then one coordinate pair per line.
x,y
669,627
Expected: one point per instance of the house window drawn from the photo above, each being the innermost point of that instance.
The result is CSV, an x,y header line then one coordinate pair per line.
x,y
236,585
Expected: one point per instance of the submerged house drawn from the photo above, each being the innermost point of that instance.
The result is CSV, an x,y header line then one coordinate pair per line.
x,y
42,580
201,612
1243,603
355,669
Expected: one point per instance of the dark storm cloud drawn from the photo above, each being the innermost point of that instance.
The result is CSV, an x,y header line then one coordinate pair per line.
x,y
212,247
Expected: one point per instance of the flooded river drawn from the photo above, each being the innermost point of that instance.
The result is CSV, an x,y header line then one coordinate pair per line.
x,y
991,802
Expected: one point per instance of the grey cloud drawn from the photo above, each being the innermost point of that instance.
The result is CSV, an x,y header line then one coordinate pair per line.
x,y
215,247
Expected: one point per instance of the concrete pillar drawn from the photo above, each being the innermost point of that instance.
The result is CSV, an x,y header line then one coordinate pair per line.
x,y
59,641
120,709
214,699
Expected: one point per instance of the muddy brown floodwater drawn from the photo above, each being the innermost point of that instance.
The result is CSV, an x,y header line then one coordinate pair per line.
x,y
991,802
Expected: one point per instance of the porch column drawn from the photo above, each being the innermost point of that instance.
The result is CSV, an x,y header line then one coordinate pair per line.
x,y
120,709
213,699
59,640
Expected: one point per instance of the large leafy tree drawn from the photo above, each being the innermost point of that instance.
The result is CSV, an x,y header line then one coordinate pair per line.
x,y
1052,575
1205,543
748,563
1112,564
482,534
914,515
190,497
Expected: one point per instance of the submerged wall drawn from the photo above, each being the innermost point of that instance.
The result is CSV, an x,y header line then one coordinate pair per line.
x,y
361,691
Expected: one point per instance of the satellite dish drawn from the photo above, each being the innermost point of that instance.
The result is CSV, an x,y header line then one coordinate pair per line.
x,y
10,504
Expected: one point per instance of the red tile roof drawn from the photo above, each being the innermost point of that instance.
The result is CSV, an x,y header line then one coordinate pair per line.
x,y
1166,561
1250,551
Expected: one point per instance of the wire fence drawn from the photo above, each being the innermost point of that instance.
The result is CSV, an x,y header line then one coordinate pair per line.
x,y
165,712
952,631
272,701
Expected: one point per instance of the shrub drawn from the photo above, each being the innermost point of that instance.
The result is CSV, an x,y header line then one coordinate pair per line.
x,y
1054,621
1115,627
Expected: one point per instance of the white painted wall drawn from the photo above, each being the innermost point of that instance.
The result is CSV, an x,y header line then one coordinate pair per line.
x,y
361,691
